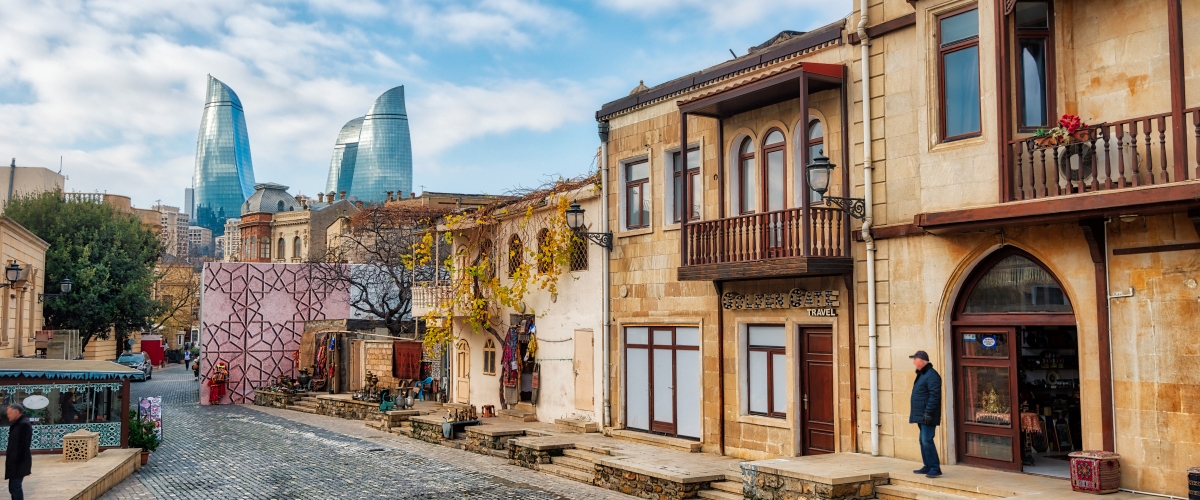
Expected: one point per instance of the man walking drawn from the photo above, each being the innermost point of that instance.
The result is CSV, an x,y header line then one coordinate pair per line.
x,y
926,411
18,461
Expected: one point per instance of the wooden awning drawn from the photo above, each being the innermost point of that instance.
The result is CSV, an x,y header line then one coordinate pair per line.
x,y
764,89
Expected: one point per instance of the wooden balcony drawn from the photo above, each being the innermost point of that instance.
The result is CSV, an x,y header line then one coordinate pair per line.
x,y
783,244
1125,154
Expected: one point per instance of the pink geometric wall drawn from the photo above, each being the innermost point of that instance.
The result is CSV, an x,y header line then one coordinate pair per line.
x,y
252,316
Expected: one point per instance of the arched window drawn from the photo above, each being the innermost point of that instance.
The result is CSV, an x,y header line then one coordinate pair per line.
x,y
516,255
279,206
544,257
816,145
279,249
773,170
745,177
296,247
489,357
1015,284
485,254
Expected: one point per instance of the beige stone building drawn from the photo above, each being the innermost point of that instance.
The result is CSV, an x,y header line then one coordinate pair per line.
x,y
19,181
20,304
1052,281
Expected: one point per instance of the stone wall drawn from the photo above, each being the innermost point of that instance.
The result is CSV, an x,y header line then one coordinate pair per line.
x,y
347,408
427,429
377,359
759,485
480,442
644,486
275,399
530,457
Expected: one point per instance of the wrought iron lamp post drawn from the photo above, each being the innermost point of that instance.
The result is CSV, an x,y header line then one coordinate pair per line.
x,y
12,274
64,287
818,171
575,222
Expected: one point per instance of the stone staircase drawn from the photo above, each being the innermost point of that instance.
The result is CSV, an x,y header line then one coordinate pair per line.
x,y
306,404
916,488
729,489
575,464
522,412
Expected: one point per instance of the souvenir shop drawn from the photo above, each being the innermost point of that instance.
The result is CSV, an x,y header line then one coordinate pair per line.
x,y
61,397
521,371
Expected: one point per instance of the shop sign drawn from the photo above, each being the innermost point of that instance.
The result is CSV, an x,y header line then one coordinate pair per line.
x,y
820,303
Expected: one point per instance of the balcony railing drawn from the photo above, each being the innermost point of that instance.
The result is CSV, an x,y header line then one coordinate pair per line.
x,y
428,295
1123,154
765,236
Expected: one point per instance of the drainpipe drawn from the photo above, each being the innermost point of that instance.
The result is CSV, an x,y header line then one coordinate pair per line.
x,y
602,128
872,328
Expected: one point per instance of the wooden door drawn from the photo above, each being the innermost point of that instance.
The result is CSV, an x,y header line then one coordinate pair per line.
x,y
584,371
817,408
662,380
462,373
663,391
986,413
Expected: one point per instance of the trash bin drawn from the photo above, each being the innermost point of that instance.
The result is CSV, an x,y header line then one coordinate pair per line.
x,y
1096,472
1194,483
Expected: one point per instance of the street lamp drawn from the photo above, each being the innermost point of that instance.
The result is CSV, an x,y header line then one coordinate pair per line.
x,y
12,273
575,222
64,286
818,171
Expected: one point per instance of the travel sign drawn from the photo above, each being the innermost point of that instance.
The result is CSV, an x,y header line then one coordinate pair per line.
x,y
820,303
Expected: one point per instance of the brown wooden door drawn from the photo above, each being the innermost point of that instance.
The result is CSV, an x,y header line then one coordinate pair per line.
x,y
816,391
986,399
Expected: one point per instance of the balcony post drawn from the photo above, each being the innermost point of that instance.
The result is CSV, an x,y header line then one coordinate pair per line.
x,y
1178,88
720,232
685,208
805,214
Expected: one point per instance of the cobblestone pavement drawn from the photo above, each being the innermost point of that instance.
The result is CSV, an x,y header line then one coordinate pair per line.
x,y
248,452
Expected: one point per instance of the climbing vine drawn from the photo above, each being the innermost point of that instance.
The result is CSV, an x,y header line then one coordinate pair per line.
x,y
479,288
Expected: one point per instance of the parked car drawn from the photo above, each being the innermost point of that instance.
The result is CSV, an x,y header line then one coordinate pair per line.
x,y
140,362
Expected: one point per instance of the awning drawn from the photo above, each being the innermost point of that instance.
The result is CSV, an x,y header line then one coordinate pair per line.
x,y
765,89
64,369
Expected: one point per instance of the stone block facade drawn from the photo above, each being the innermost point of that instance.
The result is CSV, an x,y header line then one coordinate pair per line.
x,y
428,429
530,457
275,399
377,359
347,408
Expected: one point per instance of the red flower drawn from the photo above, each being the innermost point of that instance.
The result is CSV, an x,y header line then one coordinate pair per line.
x,y
1071,123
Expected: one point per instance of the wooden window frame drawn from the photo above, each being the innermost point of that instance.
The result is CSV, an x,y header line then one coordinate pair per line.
x,y
764,175
643,184
489,357
296,247
744,160
809,143
942,51
281,252
684,183
650,346
771,351
1047,35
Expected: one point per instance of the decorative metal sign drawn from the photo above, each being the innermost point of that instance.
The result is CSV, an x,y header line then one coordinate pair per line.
x,y
821,303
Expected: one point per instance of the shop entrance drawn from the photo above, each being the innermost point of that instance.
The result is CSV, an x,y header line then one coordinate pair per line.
x,y
816,385
662,380
1016,356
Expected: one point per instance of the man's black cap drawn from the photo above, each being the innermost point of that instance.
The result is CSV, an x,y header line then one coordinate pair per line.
x,y
920,355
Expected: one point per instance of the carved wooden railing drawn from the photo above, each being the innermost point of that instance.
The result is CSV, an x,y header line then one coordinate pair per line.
x,y
765,236
1120,155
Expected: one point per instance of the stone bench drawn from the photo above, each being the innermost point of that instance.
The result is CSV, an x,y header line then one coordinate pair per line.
x,y
388,420
486,439
274,399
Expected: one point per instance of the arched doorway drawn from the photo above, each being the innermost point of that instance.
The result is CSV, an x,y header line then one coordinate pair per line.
x,y
462,374
1016,360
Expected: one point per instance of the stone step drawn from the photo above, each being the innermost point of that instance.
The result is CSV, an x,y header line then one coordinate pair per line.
x,y
657,440
303,409
921,483
578,464
590,456
719,495
576,425
567,472
405,431
309,399
895,492
517,415
728,486
525,407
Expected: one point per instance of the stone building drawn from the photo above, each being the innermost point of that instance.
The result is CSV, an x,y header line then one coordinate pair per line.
x,y
300,235
565,322
1051,283
20,304
21,181
257,213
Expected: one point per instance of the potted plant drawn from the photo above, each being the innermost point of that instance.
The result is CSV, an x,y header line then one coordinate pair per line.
x,y
142,435
1070,129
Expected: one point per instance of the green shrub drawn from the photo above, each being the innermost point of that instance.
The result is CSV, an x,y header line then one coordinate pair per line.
x,y
141,432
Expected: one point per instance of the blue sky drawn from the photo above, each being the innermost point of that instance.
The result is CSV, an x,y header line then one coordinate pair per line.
x,y
500,93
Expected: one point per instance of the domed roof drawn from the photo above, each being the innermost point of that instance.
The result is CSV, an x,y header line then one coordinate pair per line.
x,y
390,103
270,198
640,88
349,133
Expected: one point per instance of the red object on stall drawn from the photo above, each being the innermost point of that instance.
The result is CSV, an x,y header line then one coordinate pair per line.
x,y
406,360
217,380
154,348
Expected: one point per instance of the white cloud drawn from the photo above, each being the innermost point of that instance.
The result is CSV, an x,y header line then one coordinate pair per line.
x,y
513,23
734,13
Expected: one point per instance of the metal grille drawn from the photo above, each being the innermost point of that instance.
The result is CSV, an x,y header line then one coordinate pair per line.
x,y
579,254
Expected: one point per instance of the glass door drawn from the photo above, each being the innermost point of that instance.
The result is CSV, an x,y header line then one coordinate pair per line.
x,y
986,388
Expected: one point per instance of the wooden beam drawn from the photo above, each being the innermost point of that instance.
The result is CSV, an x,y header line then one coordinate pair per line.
x,y
886,27
1094,232
1178,86
788,267
1156,249
892,231
1004,123
685,209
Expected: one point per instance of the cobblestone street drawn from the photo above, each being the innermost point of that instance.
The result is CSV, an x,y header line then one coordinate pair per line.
x,y
245,452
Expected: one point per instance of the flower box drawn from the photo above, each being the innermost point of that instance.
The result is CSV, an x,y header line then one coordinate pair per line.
x,y
1081,135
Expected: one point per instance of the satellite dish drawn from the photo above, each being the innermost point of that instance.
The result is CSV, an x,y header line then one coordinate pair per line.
x,y
36,402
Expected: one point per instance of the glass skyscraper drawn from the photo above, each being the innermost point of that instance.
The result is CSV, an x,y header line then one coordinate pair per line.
x,y
383,155
345,152
224,175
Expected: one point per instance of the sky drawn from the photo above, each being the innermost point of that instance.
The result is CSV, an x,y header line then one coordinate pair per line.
x,y
500,93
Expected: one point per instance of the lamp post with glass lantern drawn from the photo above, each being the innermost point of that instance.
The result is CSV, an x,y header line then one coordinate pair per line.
x,y
64,287
575,222
818,171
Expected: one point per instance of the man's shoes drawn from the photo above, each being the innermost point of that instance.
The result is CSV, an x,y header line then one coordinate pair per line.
x,y
934,473
922,470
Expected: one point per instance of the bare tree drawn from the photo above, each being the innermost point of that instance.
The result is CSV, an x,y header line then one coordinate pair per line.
x,y
372,256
